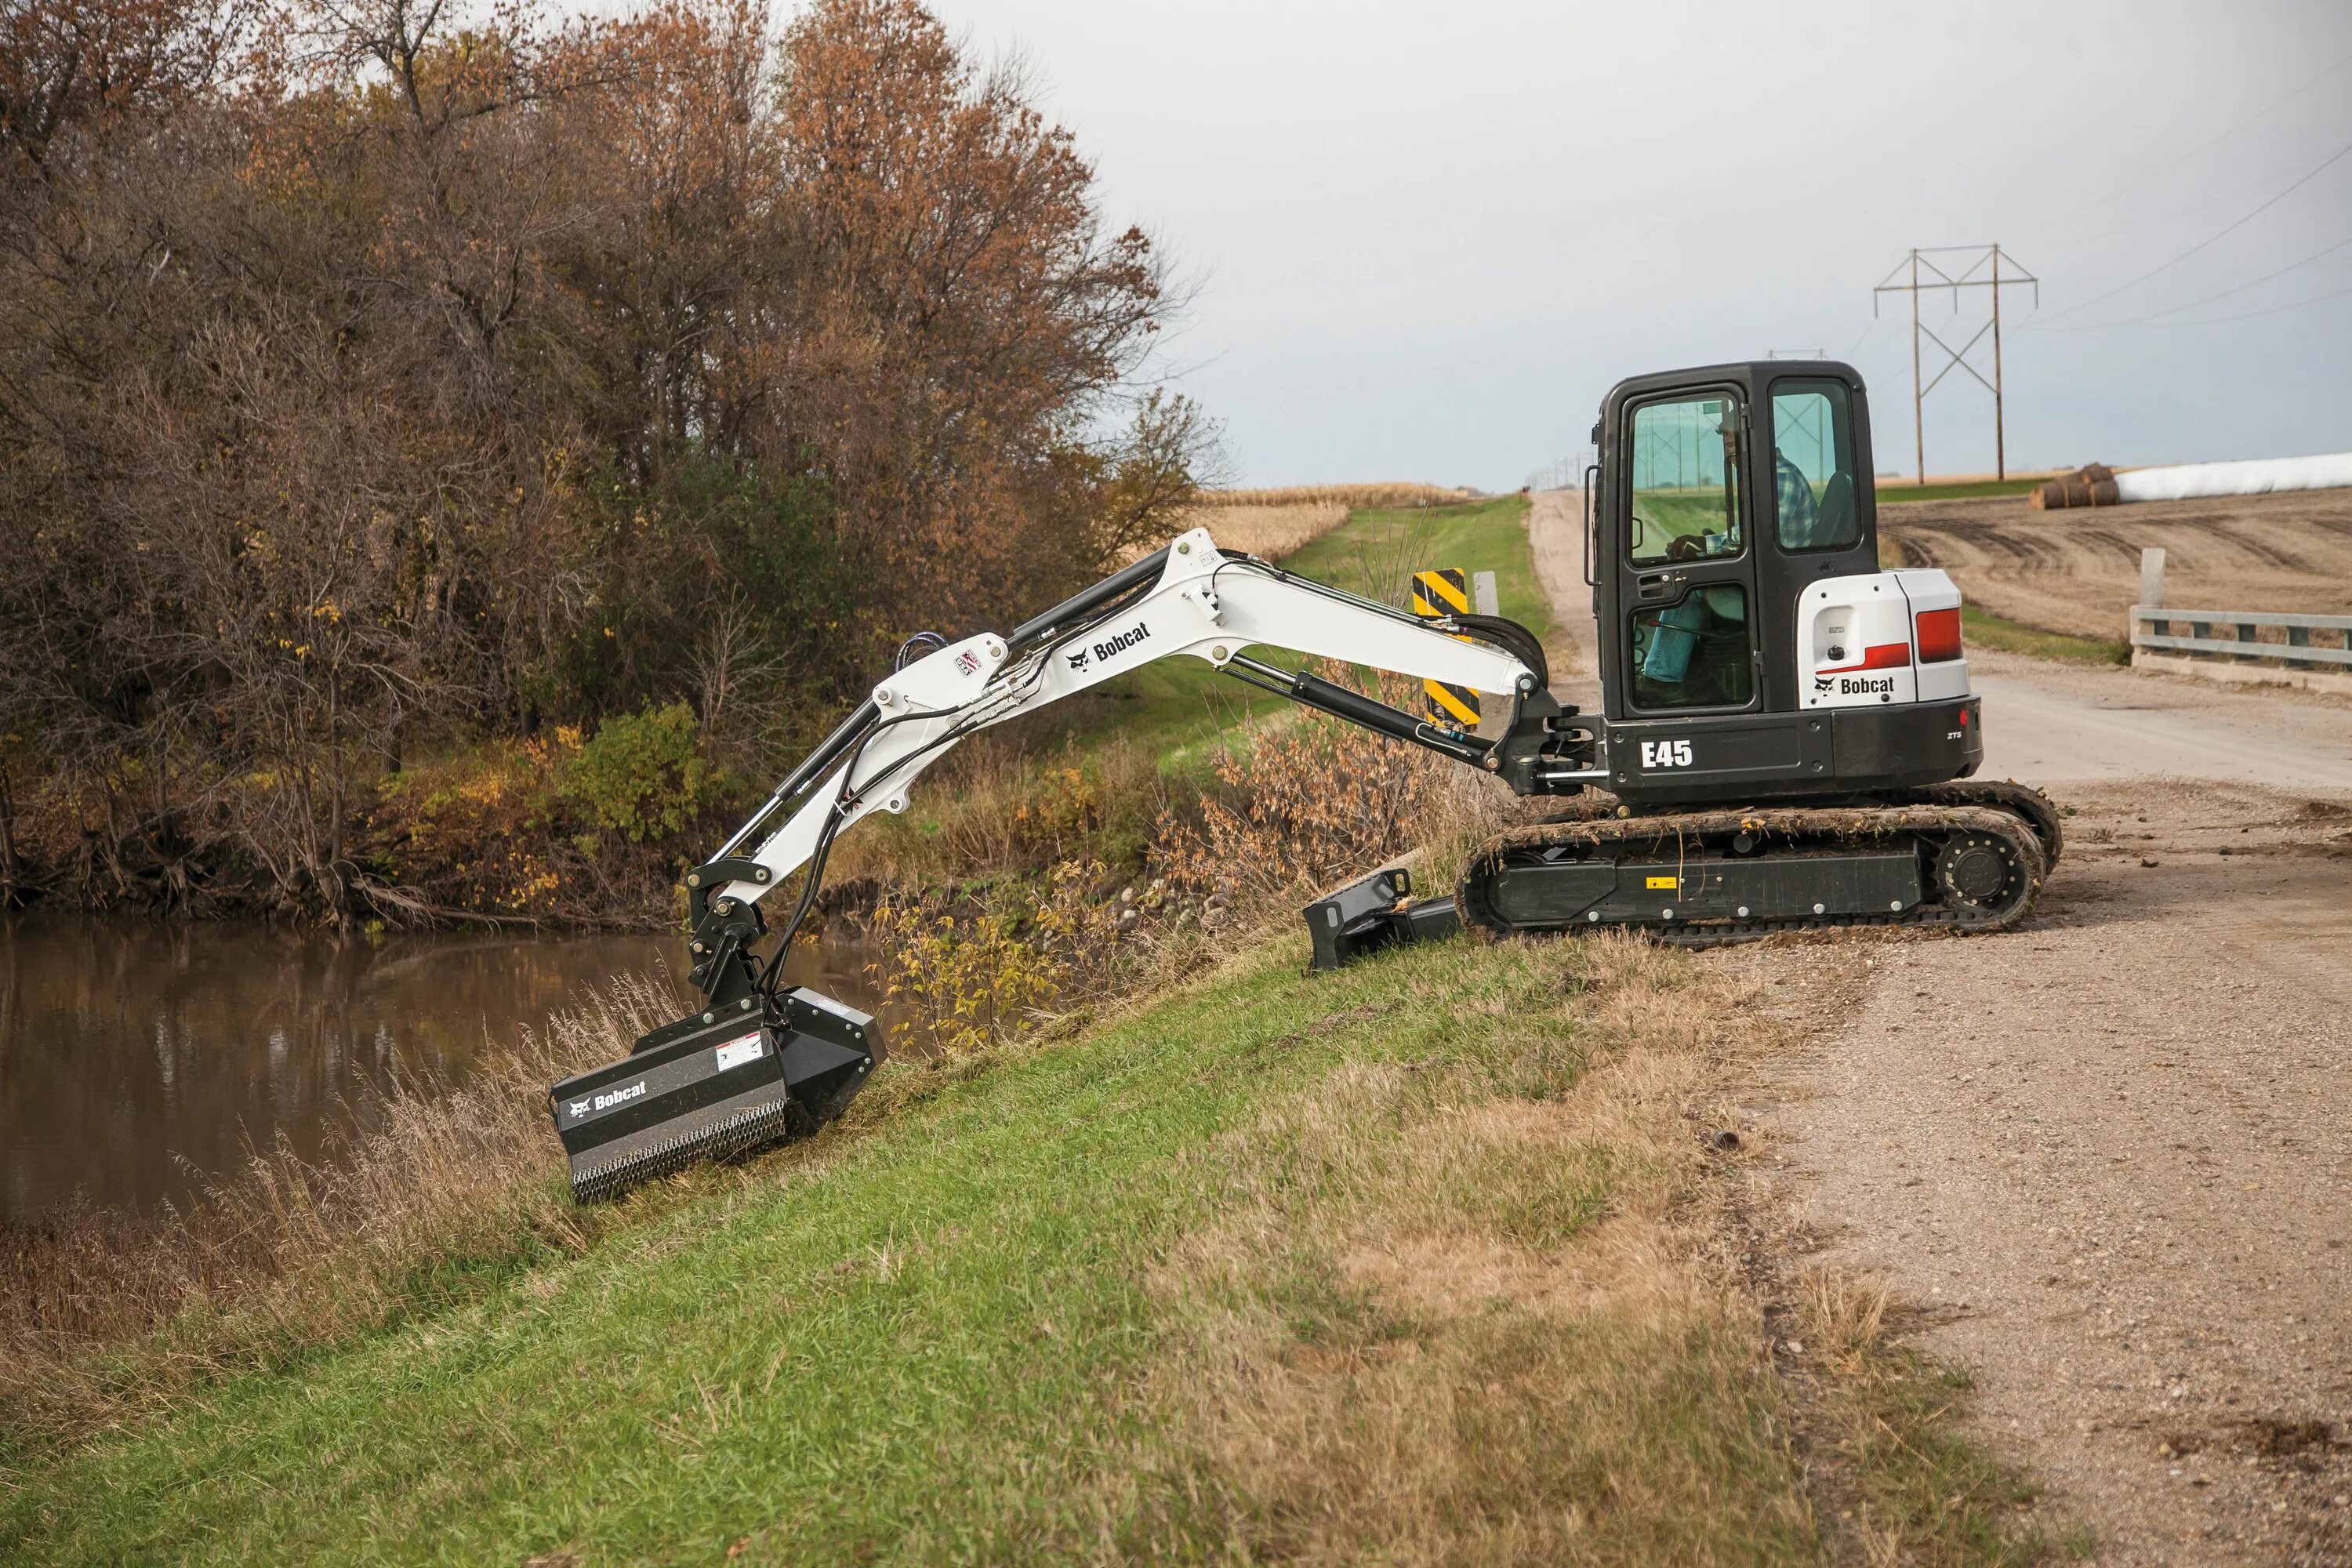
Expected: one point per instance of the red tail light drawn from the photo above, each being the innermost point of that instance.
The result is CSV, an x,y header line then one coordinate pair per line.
x,y
1938,634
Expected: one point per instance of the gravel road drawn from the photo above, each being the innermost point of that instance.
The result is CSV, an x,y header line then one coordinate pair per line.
x,y
2105,1158
1556,529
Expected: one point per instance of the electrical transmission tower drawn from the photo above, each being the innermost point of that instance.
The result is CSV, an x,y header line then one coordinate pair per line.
x,y
1961,271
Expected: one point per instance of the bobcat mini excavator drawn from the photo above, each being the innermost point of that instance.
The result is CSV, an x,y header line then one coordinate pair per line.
x,y
1785,742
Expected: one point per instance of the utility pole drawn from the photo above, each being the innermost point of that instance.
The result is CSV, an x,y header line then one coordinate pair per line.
x,y
1956,276
1919,424
2000,442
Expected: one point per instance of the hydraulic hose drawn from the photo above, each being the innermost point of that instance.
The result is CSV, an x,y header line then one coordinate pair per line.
x,y
1109,591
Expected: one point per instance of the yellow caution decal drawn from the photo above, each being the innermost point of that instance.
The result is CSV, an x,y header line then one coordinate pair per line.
x,y
1669,883
1445,591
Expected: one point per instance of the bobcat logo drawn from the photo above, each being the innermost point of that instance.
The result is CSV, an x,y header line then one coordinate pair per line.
x,y
1821,683
579,1108
1078,659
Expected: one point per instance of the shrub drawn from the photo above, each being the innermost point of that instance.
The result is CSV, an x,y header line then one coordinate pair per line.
x,y
974,975
642,775
1306,804
476,831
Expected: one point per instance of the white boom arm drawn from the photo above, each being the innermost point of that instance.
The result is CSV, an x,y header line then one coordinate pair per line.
x,y
1205,603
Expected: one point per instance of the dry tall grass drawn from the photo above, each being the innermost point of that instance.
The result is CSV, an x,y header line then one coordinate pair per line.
x,y
1380,496
1456,1310
289,1253
1308,802
1270,532
992,809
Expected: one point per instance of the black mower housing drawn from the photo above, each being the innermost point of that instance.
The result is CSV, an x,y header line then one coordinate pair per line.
x,y
720,1083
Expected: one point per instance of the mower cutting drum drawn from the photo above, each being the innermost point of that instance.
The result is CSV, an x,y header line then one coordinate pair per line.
x,y
721,1083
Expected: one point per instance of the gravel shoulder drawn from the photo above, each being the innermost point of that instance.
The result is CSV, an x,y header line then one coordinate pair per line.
x,y
2047,723
2104,1160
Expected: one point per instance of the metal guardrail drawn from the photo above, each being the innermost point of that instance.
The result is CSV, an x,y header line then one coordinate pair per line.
x,y
2241,639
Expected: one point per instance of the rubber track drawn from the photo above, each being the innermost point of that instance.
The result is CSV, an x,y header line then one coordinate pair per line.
x,y
1999,795
1819,826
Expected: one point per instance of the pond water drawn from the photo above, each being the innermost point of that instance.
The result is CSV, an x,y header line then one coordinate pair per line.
x,y
139,1057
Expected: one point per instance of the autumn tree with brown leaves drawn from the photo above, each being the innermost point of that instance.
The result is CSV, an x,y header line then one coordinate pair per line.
x,y
377,381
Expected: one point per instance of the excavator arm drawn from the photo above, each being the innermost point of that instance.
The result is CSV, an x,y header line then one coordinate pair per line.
x,y
1189,599
761,1062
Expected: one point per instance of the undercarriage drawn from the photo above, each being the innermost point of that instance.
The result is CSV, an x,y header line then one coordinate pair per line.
x,y
1704,879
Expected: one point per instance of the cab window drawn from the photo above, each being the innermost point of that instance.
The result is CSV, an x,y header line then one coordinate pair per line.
x,y
1685,465
1814,500
1693,653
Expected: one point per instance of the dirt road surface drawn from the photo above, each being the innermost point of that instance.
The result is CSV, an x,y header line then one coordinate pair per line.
x,y
2078,571
1556,529
2046,722
2106,1160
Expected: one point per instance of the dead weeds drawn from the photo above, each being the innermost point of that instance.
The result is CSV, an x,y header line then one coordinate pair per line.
x,y
1459,1313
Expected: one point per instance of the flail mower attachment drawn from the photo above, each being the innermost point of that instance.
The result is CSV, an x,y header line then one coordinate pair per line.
x,y
716,1085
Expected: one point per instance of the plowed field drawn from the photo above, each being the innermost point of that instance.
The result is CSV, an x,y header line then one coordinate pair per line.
x,y
2078,571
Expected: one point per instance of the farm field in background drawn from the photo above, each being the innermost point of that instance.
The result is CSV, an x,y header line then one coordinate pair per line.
x,y
2077,571
1276,524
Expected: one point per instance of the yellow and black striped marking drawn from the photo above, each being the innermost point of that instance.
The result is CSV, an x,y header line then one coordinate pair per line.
x,y
1446,592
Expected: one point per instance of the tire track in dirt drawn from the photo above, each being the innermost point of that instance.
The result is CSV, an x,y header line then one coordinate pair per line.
x,y
2078,571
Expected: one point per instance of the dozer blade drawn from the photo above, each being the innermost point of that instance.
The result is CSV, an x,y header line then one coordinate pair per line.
x,y
1375,912
710,1087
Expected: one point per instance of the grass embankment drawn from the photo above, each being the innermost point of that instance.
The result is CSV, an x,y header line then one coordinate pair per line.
x,y
1391,1263
1988,630
1896,492
1378,552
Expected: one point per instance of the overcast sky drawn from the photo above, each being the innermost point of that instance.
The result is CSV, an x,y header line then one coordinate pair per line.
x,y
1426,239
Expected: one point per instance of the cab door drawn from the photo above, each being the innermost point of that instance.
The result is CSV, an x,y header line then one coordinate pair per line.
x,y
1687,624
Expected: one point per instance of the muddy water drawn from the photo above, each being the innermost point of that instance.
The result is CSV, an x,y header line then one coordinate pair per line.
x,y
138,1057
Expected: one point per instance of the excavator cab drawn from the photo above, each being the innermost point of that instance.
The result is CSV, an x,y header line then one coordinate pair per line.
x,y
1750,645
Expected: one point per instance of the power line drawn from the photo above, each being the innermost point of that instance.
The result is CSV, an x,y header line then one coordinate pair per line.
x,y
2324,165
2220,137
2249,315
1955,358
2154,316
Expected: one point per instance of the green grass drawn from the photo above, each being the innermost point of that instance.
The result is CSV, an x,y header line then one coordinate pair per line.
x,y
1089,1300
1988,630
1892,493
906,1342
1375,552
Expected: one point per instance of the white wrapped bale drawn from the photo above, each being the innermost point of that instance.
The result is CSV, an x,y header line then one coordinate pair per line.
x,y
2257,476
